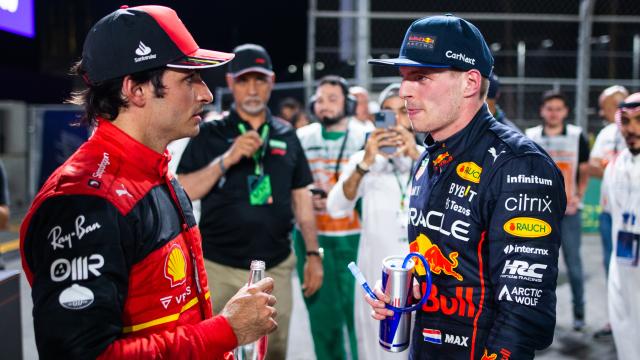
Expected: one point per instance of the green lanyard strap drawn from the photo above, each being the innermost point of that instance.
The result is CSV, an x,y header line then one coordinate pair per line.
x,y
258,156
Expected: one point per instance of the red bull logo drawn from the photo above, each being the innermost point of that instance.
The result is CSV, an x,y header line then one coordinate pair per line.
x,y
442,159
424,39
461,305
438,262
486,356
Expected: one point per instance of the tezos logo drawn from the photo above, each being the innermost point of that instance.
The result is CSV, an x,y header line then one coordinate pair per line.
x,y
527,227
469,171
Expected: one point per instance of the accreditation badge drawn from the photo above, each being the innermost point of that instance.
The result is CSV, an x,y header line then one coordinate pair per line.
x,y
627,248
259,190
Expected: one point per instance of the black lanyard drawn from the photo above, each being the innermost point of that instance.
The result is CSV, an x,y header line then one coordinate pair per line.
x,y
340,155
258,156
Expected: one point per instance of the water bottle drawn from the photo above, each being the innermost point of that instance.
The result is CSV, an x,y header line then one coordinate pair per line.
x,y
258,349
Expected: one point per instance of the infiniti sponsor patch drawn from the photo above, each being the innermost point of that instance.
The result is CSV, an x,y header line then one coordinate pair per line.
x,y
76,297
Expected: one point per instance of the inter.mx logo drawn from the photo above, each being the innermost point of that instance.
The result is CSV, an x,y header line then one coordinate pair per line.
x,y
521,249
521,270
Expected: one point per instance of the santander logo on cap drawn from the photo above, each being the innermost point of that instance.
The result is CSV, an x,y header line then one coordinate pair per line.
x,y
143,52
143,49
260,61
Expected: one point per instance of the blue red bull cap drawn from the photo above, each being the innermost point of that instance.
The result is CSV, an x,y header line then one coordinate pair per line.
x,y
443,41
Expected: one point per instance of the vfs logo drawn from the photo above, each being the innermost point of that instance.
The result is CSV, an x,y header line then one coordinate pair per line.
x,y
175,266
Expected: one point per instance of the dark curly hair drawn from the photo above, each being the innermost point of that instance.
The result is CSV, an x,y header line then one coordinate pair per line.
x,y
105,98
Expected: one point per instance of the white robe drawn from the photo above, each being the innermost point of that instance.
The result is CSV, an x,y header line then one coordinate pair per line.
x,y
384,233
621,192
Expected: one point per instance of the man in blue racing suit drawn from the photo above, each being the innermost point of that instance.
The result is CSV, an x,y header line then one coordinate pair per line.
x,y
485,208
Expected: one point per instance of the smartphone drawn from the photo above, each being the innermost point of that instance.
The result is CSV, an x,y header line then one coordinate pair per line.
x,y
316,191
386,119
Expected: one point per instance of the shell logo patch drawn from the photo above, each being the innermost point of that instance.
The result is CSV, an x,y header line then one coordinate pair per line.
x,y
175,266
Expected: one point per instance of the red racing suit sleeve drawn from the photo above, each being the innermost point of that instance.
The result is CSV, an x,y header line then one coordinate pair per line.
x,y
524,208
206,340
79,251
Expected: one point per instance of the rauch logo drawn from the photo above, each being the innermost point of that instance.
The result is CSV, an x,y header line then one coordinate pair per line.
x,y
527,227
469,171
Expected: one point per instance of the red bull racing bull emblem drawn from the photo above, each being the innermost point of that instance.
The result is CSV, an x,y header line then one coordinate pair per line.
x,y
438,262
486,356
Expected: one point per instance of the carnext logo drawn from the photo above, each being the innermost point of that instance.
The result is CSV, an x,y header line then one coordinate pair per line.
x,y
460,56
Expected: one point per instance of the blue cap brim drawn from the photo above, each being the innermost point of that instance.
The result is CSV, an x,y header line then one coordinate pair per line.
x,y
405,62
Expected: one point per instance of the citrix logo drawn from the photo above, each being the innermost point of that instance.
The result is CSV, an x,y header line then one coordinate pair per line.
x,y
526,203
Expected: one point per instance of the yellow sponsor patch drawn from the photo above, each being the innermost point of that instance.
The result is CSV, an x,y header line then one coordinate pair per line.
x,y
527,227
469,171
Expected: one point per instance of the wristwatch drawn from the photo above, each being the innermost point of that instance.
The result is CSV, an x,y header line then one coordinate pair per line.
x,y
319,253
362,168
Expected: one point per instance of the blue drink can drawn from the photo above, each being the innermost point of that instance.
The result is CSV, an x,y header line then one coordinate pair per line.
x,y
395,331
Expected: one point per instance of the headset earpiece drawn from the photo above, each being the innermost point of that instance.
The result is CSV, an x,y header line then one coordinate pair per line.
x,y
350,101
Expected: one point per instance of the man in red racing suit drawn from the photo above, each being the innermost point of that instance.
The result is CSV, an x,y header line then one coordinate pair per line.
x,y
110,245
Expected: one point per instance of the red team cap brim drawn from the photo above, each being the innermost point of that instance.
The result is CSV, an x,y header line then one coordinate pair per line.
x,y
195,57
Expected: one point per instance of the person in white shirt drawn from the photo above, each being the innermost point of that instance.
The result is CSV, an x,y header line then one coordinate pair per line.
x,y
382,180
621,192
608,144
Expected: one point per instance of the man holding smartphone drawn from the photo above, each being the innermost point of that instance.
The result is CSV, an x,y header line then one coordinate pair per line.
x,y
328,144
380,176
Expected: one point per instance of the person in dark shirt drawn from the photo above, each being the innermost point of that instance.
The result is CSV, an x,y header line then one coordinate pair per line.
x,y
251,175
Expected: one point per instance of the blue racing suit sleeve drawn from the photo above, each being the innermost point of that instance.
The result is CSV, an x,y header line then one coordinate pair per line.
x,y
524,208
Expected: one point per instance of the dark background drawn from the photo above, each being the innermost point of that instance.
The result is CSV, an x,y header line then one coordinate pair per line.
x,y
35,70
